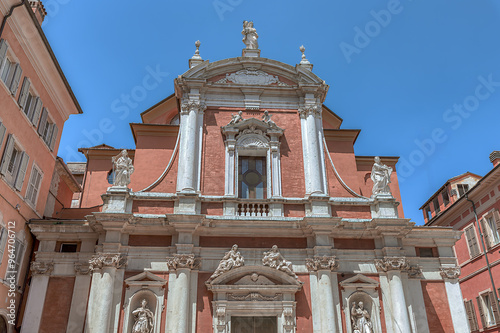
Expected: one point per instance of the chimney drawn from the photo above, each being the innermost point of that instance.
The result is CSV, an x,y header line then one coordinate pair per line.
x,y
38,9
495,157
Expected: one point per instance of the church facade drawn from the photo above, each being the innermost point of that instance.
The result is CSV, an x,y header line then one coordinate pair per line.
x,y
243,208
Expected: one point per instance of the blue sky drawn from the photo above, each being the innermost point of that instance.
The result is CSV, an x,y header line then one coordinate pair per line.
x,y
420,78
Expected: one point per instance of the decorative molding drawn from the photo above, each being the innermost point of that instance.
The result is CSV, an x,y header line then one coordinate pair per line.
x,y
414,271
41,268
183,261
309,109
322,263
254,297
253,142
252,77
101,260
392,263
189,105
450,272
82,268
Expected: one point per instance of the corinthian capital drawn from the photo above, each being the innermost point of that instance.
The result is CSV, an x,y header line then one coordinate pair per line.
x,y
322,263
309,109
450,272
189,105
183,261
41,268
392,263
101,260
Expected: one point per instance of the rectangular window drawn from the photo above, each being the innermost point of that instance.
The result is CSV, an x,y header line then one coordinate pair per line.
x,y
426,252
446,198
254,325
427,212
34,185
462,189
470,235
47,129
10,71
14,163
471,316
488,308
252,181
69,247
435,202
491,228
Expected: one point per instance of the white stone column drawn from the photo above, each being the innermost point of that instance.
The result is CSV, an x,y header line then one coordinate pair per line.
x,y
393,266
36,297
324,297
190,121
100,307
455,300
76,319
178,308
275,169
311,150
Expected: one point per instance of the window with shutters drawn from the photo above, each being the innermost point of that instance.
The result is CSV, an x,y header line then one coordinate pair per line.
x,y
34,185
470,235
14,163
10,70
3,240
491,228
32,106
16,248
488,309
462,189
47,129
471,315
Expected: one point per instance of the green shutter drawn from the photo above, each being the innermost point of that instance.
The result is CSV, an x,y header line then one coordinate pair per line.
x,y
9,147
18,71
23,95
21,172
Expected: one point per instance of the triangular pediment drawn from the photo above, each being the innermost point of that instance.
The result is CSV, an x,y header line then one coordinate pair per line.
x,y
359,280
145,278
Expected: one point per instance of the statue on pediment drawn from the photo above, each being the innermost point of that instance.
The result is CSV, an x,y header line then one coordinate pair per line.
x,y
274,259
236,118
250,36
232,259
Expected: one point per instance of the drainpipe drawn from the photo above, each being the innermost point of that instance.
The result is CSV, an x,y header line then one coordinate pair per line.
x,y
478,226
4,21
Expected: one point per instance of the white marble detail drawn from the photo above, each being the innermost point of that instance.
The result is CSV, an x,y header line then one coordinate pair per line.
x,y
183,261
450,272
41,268
101,260
274,259
232,259
322,263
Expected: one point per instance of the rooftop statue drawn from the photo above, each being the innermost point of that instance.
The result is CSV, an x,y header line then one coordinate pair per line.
x,y
381,176
250,36
123,168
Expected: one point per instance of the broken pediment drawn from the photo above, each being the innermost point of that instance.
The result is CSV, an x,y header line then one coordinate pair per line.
x,y
254,276
252,76
240,127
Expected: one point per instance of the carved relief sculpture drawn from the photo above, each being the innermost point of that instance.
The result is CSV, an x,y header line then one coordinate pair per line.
x,y
319,263
232,259
392,263
41,268
123,168
183,261
250,36
360,319
144,319
274,259
381,177
236,118
450,272
101,260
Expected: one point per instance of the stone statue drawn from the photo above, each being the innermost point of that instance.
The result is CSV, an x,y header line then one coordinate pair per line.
x,y
250,36
381,176
360,319
144,319
231,259
236,118
266,117
123,169
274,259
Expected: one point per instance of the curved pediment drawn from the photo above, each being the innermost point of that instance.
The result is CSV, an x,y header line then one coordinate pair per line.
x,y
254,276
252,71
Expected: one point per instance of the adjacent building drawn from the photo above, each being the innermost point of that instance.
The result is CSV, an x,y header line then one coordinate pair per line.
x,y
35,100
242,208
471,203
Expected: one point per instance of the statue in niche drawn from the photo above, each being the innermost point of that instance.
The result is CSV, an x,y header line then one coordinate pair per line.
x,y
232,259
250,36
144,319
381,176
266,117
360,319
123,168
274,259
236,118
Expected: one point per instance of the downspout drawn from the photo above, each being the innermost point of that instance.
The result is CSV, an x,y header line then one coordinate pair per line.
x,y
478,226
4,21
